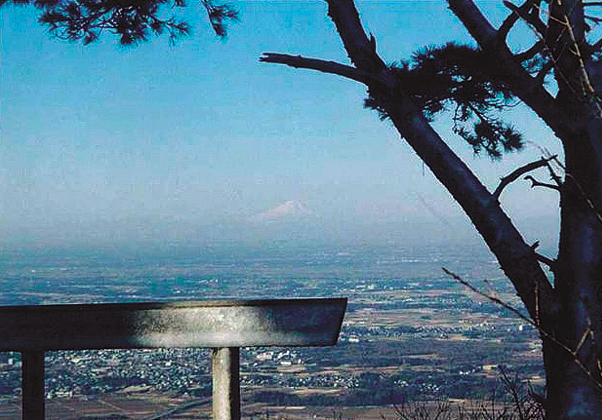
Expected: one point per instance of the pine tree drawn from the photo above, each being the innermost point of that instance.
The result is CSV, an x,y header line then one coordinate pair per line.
x,y
476,85
133,21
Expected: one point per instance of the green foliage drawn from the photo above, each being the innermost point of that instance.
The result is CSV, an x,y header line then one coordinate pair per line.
x,y
134,21
219,16
463,80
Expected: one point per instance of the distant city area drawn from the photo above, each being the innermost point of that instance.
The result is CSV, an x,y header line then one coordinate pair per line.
x,y
410,331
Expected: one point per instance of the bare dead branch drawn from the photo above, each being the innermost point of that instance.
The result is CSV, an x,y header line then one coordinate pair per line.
x,y
588,89
593,18
536,292
547,261
511,20
536,183
493,299
542,258
531,18
529,321
588,331
323,66
511,387
543,33
507,25
514,175
592,3
558,162
553,175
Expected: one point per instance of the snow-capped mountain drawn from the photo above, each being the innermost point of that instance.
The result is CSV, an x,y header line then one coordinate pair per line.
x,y
289,210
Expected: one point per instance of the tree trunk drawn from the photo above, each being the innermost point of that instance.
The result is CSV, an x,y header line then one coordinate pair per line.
x,y
572,353
570,394
573,381
573,393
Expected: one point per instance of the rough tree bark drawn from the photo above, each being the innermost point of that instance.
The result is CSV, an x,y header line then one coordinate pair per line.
x,y
569,312
576,121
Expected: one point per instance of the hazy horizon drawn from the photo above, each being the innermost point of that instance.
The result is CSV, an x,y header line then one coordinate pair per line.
x,y
174,146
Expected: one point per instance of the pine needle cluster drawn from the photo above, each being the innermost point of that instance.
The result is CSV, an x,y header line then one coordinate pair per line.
x,y
462,80
133,21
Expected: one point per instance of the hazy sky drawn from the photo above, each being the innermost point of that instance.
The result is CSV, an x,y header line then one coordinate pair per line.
x,y
160,144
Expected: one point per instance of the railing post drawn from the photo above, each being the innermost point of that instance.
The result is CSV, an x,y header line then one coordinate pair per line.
x,y
226,383
32,385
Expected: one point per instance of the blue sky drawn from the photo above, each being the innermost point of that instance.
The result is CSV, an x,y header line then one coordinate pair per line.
x,y
102,145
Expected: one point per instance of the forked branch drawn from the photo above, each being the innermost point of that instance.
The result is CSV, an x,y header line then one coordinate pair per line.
x,y
536,183
521,12
542,258
547,261
514,175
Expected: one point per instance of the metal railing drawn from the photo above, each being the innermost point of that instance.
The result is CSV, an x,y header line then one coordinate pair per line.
x,y
224,326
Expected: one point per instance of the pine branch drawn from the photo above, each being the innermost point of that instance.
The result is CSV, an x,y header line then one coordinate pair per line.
x,y
527,88
132,21
323,66
514,175
536,183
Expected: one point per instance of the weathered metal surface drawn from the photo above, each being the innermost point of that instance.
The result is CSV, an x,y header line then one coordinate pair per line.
x,y
277,322
32,370
226,383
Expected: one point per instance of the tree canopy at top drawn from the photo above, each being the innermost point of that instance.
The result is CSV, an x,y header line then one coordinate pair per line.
x,y
133,21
